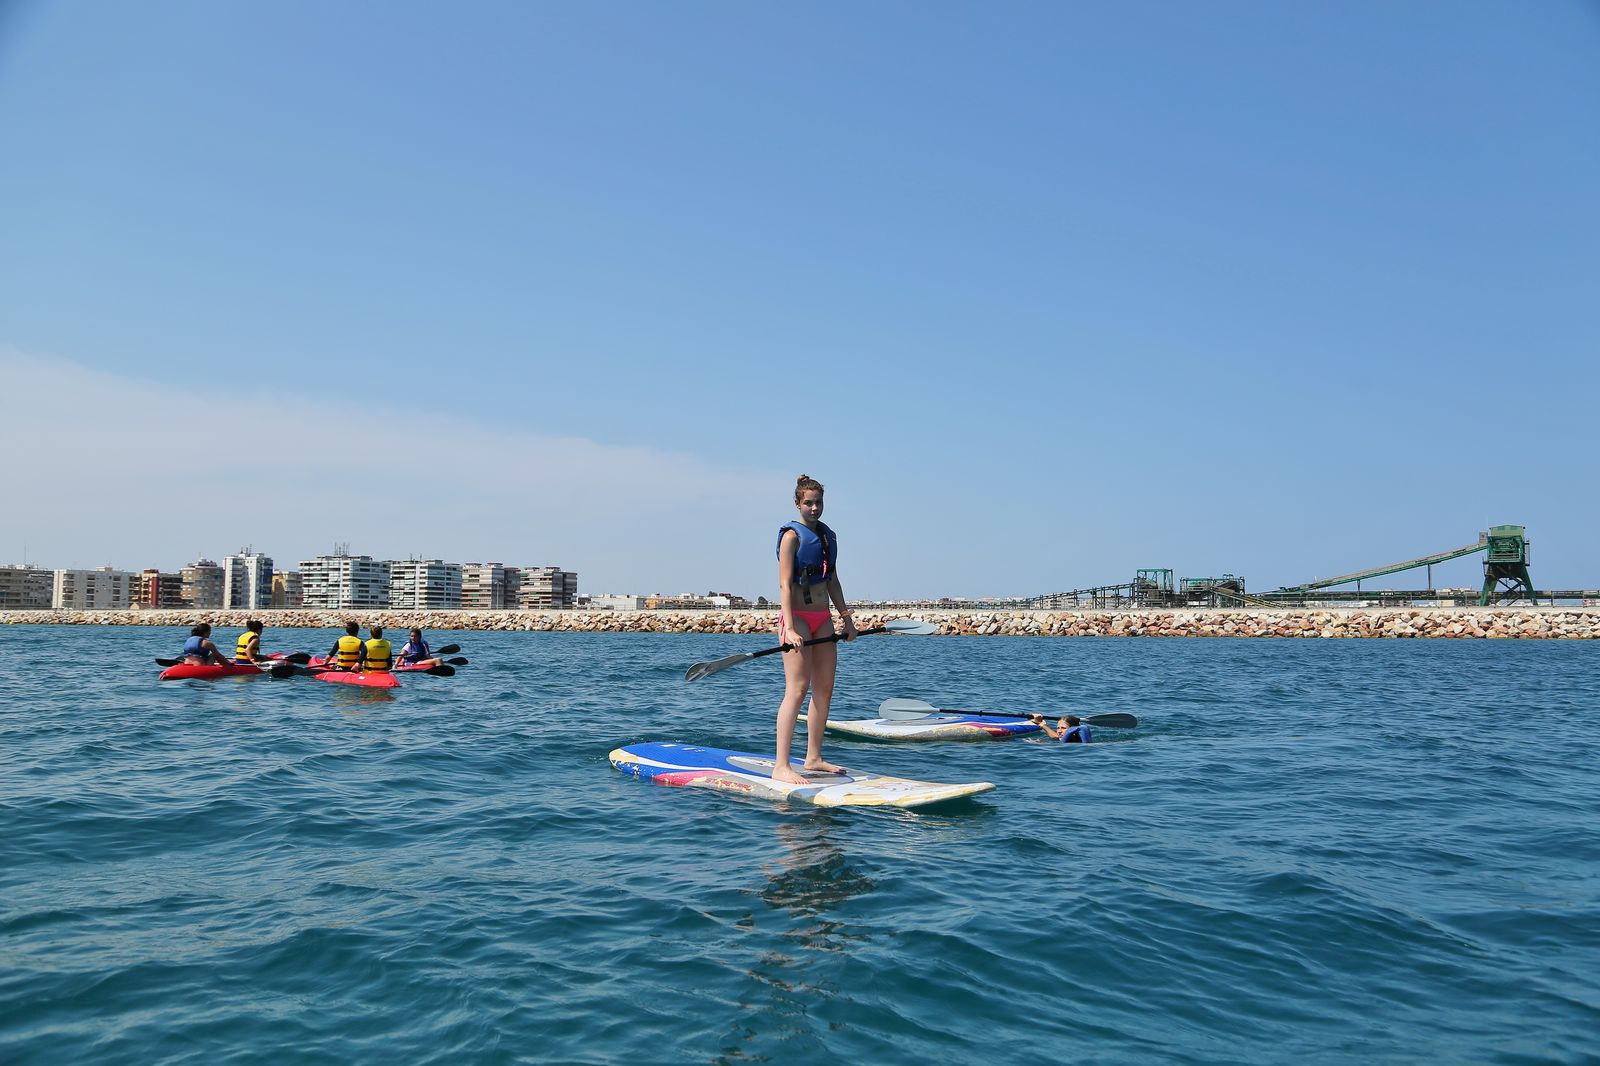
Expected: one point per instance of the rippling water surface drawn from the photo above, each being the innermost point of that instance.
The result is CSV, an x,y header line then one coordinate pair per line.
x,y
1335,851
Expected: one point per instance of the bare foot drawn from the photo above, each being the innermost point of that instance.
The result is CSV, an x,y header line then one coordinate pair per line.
x,y
824,767
787,775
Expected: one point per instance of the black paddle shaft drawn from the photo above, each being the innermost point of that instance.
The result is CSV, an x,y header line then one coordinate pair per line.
x,y
817,640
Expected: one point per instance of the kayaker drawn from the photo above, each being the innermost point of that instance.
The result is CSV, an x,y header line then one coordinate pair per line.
x,y
376,654
199,649
248,649
1068,730
808,578
346,651
415,652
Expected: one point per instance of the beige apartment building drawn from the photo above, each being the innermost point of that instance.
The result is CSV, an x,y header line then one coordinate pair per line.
x,y
100,589
203,584
546,588
483,585
287,590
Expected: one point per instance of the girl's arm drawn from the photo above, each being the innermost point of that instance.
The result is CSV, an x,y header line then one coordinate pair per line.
x,y
788,547
836,592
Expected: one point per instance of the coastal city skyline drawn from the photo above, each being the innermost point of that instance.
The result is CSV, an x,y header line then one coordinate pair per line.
x,y
250,580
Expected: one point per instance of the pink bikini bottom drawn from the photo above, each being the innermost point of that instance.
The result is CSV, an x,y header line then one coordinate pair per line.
x,y
814,620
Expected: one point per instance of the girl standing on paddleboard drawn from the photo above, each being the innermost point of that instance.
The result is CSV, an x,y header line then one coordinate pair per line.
x,y
808,579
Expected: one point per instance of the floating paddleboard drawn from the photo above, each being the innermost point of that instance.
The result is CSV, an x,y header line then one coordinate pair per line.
x,y
934,727
751,775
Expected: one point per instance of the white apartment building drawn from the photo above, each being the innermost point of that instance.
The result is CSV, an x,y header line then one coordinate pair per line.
x,y
424,583
203,583
247,580
101,589
25,588
609,602
339,581
546,588
483,585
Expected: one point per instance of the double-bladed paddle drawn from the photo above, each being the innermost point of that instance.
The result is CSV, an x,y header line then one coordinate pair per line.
x,y
300,657
441,670
901,709
904,626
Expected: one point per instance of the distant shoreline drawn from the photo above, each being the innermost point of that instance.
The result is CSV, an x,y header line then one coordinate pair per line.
x,y
1517,623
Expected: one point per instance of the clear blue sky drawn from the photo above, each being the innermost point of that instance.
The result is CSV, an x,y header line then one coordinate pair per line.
x,y
1043,292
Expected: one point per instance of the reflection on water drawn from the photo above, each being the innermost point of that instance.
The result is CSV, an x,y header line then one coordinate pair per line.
x,y
347,697
811,878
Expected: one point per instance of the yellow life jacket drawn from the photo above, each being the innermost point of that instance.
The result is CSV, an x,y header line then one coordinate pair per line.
x,y
379,657
349,652
241,653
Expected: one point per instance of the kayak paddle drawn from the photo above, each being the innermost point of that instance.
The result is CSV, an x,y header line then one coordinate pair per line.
x,y
905,626
442,670
293,657
900,709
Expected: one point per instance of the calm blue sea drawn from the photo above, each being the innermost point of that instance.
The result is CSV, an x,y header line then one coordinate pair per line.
x,y
1311,851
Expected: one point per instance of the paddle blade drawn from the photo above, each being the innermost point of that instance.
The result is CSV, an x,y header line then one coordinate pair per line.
x,y
910,627
448,649
298,657
900,709
281,669
700,670
168,662
441,670
459,660
1114,721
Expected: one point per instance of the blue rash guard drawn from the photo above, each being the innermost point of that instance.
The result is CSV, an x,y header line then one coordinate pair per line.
x,y
196,646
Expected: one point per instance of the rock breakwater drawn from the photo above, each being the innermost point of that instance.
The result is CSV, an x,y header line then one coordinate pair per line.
x,y
1489,623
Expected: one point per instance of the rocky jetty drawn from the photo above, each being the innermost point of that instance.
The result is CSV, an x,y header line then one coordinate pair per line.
x,y
1491,623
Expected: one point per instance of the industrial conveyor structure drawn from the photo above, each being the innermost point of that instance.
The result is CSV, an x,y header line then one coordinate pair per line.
x,y
1505,580
1505,569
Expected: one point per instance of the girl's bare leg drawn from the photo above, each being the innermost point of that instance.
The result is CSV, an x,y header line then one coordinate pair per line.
x,y
796,680
824,662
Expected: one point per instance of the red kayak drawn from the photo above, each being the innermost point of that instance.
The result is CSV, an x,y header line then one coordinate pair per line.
x,y
376,679
210,671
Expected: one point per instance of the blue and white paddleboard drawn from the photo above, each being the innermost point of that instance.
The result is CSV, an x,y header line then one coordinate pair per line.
x,y
751,775
934,727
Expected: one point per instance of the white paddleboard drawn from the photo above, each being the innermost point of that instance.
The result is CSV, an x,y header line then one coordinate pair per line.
x,y
934,727
689,765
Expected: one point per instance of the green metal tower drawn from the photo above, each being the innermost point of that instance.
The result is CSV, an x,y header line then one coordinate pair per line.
x,y
1152,587
1505,567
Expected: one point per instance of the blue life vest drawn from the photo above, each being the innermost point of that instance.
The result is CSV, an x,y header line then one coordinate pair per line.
x,y
1078,734
814,560
195,646
414,652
